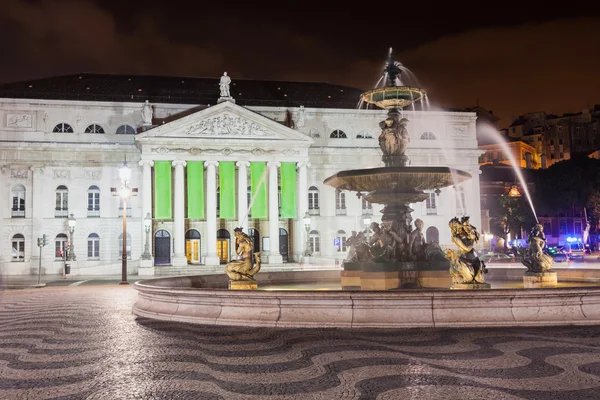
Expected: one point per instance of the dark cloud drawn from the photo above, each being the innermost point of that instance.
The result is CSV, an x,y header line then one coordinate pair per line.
x,y
511,67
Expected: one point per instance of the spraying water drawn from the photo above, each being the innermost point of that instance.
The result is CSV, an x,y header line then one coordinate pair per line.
x,y
491,133
260,183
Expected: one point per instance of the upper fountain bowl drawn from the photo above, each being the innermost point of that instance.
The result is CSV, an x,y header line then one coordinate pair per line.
x,y
396,184
393,96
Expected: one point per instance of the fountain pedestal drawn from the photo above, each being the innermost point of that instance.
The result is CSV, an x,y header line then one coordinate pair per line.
x,y
533,280
394,275
470,286
243,285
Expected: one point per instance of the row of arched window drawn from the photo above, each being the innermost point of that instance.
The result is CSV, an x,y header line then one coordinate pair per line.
x,y
339,134
94,128
61,243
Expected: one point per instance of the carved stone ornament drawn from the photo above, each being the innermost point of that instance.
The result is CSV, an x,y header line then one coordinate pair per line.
x,y
19,173
459,130
225,151
301,118
20,120
62,174
93,175
226,125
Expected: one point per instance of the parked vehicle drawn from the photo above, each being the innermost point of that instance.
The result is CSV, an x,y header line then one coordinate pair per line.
x,y
557,253
575,250
497,258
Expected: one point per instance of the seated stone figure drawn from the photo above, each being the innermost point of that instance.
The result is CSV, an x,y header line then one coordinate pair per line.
x,y
465,265
534,258
243,269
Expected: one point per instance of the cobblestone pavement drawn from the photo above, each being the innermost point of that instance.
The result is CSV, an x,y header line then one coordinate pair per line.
x,y
84,343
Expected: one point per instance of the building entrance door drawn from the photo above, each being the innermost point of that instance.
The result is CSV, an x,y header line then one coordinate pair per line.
x,y
223,245
283,244
192,246
162,248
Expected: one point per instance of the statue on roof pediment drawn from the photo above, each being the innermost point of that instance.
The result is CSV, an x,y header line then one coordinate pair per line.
x,y
225,124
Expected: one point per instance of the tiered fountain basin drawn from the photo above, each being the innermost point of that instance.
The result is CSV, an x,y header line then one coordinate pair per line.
x,y
393,96
206,300
391,185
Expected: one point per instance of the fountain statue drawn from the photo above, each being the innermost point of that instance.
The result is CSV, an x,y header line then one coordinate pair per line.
x,y
466,269
393,246
539,265
241,272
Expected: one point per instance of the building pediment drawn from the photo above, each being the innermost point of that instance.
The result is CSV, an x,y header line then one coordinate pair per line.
x,y
226,122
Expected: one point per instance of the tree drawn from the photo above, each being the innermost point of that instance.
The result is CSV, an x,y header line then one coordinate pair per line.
x,y
510,215
566,184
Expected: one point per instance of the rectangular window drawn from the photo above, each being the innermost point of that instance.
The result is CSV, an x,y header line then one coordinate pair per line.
x,y
315,245
430,204
18,205
560,141
547,228
60,245
367,207
577,228
342,246
562,227
94,248
313,201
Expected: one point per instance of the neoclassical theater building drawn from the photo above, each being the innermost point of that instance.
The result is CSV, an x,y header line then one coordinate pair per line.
x,y
201,165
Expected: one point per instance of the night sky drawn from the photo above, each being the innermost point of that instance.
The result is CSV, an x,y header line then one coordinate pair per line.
x,y
511,60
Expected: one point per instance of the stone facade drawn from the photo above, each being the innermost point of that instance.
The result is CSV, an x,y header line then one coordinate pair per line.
x,y
36,162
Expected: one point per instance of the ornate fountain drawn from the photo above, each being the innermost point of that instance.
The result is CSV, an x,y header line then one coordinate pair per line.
x,y
394,246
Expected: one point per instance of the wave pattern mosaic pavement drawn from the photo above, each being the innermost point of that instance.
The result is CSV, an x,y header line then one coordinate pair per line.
x,y
84,343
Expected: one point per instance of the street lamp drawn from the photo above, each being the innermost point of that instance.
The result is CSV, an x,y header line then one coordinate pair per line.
x,y
147,226
306,220
125,192
367,224
514,191
71,253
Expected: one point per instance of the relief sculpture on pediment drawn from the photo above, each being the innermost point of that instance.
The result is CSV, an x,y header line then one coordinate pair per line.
x,y
226,125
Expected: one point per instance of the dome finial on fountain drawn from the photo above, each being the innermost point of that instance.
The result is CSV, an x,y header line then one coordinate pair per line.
x,y
392,70
392,97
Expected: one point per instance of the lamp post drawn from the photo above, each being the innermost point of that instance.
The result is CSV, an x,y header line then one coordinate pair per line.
x,y
367,223
147,225
71,253
306,220
125,192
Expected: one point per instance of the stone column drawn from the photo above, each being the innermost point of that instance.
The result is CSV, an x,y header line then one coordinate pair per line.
x,y
301,209
211,213
242,194
147,209
274,255
179,258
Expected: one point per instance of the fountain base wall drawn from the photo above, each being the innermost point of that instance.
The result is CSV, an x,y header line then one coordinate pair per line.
x,y
395,275
206,300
